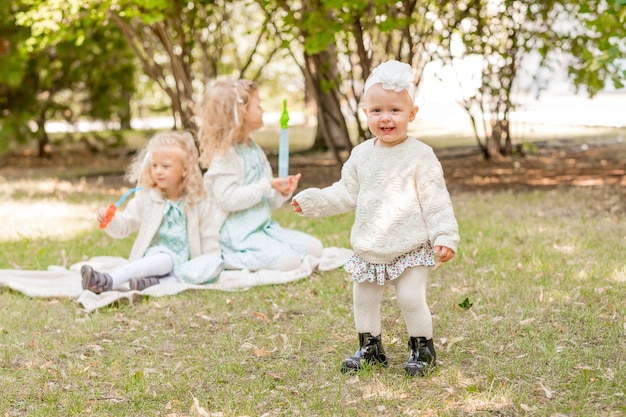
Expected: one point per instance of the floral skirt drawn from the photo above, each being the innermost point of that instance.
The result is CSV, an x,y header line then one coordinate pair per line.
x,y
363,271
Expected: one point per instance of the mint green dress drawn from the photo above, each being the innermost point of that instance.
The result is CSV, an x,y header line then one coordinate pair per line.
x,y
172,239
249,238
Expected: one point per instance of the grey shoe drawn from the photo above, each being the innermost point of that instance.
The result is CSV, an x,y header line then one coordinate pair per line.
x,y
140,284
95,281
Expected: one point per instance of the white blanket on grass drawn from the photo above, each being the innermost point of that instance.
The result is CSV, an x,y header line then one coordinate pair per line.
x,y
58,281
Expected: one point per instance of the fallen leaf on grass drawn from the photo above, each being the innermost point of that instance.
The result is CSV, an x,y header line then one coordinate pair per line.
x,y
261,316
196,410
262,352
560,327
203,315
340,338
454,341
547,391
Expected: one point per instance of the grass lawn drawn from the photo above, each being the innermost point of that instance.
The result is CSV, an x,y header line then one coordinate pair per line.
x,y
545,334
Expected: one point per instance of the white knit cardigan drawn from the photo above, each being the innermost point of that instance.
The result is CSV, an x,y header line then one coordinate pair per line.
x,y
144,213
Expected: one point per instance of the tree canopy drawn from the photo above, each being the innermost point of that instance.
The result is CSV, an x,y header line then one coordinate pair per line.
x,y
182,46
84,70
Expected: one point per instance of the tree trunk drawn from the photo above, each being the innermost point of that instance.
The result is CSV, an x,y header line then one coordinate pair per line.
x,y
125,112
332,131
45,150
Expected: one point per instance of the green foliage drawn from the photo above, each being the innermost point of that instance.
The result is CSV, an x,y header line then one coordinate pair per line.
x,y
598,54
183,45
504,38
61,72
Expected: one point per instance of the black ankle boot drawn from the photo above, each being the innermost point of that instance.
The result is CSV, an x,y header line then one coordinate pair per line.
x,y
422,358
370,351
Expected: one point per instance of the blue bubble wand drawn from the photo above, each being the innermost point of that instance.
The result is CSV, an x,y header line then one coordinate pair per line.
x,y
283,145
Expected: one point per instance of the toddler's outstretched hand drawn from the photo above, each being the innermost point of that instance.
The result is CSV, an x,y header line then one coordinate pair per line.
x,y
296,206
444,253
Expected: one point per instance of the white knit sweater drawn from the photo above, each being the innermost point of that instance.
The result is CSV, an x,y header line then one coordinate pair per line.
x,y
144,213
399,196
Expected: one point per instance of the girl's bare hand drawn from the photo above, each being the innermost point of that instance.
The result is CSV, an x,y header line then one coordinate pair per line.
x,y
101,214
444,253
286,186
296,206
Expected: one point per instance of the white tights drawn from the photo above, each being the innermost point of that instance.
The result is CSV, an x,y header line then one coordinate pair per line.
x,y
411,295
159,265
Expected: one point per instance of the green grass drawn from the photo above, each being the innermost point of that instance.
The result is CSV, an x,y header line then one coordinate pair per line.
x,y
545,335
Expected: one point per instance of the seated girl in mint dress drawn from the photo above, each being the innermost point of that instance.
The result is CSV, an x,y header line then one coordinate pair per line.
x,y
240,180
177,225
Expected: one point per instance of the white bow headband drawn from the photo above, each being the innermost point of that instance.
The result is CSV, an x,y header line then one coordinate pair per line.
x,y
393,75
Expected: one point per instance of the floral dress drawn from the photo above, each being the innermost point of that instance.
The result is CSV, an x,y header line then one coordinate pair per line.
x,y
172,239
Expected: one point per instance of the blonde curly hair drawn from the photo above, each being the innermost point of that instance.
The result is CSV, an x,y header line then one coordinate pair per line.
x,y
139,170
223,112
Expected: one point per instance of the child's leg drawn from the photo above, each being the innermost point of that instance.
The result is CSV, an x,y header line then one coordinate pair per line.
x,y
411,296
140,284
367,297
155,265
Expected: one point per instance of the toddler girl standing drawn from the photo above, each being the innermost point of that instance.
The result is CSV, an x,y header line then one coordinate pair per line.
x,y
403,217
240,180
177,225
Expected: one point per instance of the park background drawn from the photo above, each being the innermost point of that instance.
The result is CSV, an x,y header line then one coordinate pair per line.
x,y
529,318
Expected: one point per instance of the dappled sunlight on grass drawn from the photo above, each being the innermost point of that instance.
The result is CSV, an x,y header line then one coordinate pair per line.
x,y
53,187
619,274
377,389
30,219
50,207
42,186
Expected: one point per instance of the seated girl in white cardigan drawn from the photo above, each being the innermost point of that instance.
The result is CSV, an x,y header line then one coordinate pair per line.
x,y
177,224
